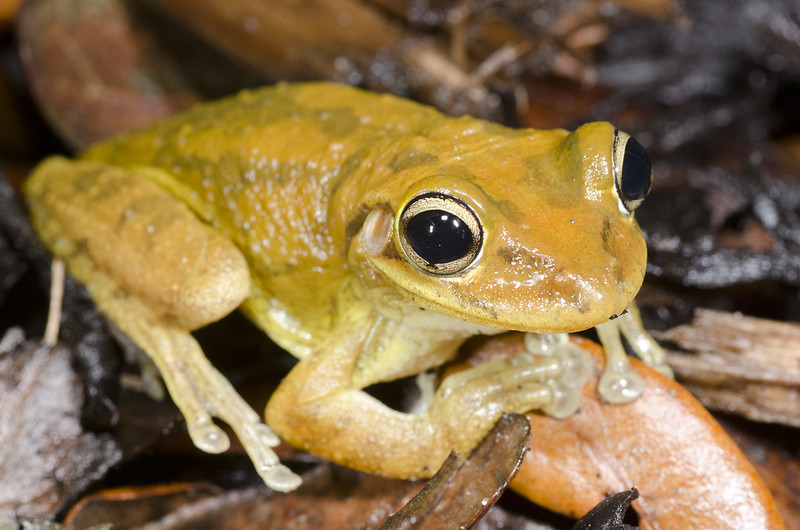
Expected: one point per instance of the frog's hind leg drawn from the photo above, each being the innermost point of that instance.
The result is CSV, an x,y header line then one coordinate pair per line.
x,y
156,272
201,392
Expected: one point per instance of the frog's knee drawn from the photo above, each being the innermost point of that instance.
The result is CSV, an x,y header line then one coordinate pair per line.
x,y
213,286
179,265
135,232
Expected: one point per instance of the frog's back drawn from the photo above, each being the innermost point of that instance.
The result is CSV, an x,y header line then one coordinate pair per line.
x,y
261,168
290,136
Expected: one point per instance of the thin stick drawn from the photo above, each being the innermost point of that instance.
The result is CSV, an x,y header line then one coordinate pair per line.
x,y
56,298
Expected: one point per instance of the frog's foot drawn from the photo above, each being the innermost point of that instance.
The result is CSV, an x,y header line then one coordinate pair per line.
x,y
201,392
576,369
197,388
507,380
548,377
619,382
468,403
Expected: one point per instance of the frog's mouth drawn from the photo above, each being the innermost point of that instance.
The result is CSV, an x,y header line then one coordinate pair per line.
x,y
561,302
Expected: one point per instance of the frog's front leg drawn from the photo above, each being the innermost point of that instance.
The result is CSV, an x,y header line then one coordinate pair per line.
x,y
156,272
322,408
619,382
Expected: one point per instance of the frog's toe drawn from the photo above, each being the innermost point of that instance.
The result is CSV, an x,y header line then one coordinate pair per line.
x,y
526,397
576,368
206,436
280,478
620,384
643,344
257,439
498,374
566,390
201,392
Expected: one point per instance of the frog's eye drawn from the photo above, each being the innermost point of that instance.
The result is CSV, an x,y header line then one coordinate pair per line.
x,y
439,233
633,173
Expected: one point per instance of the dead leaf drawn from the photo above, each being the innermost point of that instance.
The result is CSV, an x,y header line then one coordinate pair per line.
x,y
689,473
130,507
45,457
463,490
93,73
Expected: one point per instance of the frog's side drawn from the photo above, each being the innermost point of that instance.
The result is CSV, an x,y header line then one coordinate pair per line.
x,y
309,199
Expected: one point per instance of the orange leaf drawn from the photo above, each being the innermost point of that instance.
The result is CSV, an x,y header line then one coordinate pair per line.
x,y
689,473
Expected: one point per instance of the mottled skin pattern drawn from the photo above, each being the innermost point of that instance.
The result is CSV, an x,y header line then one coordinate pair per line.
x,y
307,182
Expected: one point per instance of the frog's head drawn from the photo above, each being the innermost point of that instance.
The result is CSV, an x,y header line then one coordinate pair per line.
x,y
527,230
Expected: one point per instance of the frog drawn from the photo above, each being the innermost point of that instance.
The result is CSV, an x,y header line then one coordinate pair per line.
x,y
369,236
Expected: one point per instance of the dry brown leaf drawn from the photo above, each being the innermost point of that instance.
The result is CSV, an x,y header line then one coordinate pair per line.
x,y
92,72
462,491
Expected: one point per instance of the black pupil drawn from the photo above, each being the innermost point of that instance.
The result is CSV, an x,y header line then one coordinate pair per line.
x,y
438,236
636,172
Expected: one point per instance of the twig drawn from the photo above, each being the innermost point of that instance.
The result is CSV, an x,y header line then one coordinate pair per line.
x,y
56,299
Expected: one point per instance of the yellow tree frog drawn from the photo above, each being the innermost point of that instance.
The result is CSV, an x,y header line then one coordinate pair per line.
x,y
369,236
